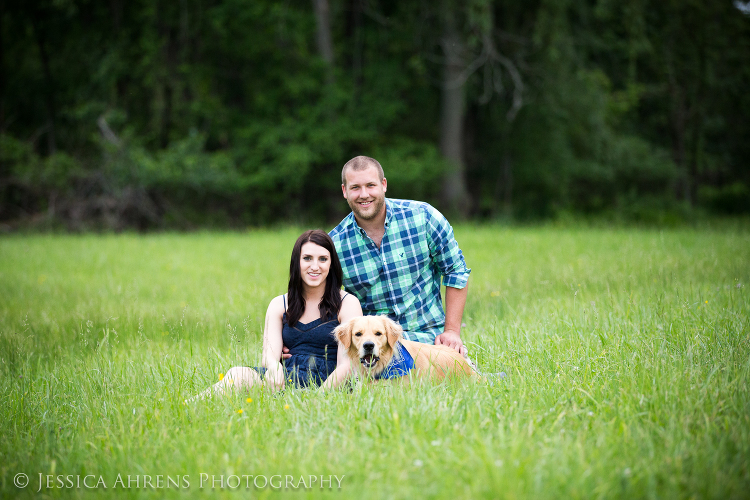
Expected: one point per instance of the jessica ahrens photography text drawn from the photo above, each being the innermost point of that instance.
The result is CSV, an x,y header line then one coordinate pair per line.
x,y
202,480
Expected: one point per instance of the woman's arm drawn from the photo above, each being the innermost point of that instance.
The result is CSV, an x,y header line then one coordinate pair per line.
x,y
341,373
272,344
350,308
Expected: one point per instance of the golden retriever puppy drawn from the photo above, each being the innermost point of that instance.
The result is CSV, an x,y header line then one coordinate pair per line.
x,y
376,347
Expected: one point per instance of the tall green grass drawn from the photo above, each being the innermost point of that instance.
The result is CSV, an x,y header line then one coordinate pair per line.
x,y
625,354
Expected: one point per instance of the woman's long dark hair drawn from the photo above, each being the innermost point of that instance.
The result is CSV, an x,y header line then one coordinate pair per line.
x,y
330,304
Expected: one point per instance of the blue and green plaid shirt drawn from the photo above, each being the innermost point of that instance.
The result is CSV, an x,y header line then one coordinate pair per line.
x,y
402,278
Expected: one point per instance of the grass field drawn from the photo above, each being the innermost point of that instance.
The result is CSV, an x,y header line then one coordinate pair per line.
x,y
626,354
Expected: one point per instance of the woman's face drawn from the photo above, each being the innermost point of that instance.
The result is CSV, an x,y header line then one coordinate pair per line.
x,y
314,264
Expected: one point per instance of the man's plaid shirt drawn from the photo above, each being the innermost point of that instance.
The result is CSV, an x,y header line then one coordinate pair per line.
x,y
402,278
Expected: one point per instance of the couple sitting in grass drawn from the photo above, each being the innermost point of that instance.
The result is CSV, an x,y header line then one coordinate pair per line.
x,y
391,257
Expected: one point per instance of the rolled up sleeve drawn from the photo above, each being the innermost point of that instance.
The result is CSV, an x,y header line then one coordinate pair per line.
x,y
444,250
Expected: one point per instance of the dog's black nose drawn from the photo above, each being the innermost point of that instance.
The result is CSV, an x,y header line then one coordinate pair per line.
x,y
368,346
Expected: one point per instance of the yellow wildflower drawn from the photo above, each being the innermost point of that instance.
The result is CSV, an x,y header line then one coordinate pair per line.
x,y
221,376
249,400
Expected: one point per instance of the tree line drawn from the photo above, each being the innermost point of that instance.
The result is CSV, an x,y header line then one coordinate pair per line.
x,y
190,113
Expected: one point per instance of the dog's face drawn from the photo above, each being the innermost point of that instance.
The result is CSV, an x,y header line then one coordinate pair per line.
x,y
369,341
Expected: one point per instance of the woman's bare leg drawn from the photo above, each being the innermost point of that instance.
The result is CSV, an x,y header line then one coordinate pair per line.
x,y
236,379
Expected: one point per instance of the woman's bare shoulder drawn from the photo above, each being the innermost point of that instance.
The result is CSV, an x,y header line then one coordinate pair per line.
x,y
277,305
350,307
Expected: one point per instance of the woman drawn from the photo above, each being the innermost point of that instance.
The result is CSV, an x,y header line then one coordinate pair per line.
x,y
303,319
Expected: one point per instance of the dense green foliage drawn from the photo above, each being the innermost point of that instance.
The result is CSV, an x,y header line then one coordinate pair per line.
x,y
626,354
155,114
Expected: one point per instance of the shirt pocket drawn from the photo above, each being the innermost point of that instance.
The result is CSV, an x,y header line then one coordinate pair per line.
x,y
415,262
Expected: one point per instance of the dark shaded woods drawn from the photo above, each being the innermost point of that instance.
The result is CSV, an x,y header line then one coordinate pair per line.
x,y
228,113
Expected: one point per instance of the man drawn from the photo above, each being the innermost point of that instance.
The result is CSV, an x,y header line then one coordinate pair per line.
x,y
395,253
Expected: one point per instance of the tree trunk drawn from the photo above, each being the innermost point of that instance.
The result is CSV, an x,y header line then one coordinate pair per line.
x,y
507,183
503,203
679,119
455,195
49,84
354,32
323,35
166,82
2,70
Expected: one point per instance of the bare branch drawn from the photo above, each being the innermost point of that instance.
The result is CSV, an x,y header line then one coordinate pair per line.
x,y
468,71
514,75
374,15
107,132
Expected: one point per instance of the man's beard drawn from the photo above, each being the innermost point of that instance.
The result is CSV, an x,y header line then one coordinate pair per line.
x,y
376,203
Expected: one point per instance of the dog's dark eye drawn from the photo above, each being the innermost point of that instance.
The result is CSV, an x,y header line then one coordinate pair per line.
x,y
378,334
358,334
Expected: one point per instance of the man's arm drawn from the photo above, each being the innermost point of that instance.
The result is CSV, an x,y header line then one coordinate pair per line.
x,y
455,300
449,259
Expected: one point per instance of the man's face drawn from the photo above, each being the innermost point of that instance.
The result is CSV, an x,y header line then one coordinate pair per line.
x,y
365,193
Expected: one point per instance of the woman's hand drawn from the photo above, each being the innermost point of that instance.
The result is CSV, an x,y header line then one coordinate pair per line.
x,y
274,378
342,372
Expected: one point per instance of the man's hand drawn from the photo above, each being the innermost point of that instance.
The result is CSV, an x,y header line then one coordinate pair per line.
x,y
285,353
453,340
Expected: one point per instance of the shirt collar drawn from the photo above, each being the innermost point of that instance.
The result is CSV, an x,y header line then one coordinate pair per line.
x,y
388,217
388,212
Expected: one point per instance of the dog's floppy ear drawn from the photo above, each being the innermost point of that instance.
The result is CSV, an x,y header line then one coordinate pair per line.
x,y
393,330
343,333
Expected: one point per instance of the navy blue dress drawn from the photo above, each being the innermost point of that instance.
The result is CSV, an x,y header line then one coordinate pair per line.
x,y
313,348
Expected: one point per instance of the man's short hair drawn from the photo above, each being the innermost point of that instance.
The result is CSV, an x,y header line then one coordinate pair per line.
x,y
359,163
